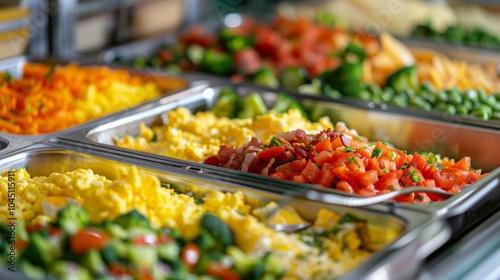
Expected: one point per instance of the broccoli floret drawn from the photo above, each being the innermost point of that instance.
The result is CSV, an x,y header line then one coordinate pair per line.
x,y
133,219
234,42
253,105
346,78
353,53
39,251
72,218
218,229
265,77
404,79
228,104
293,77
217,62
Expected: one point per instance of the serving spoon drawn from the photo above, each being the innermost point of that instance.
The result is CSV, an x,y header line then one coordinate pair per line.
x,y
348,201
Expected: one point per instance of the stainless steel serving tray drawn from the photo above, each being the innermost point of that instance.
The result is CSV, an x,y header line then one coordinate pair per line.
x,y
140,49
421,232
15,66
406,132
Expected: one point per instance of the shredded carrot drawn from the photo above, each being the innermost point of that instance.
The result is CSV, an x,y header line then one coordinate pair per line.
x,y
48,98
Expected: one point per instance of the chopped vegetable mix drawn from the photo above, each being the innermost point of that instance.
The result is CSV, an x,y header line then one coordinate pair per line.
x,y
349,163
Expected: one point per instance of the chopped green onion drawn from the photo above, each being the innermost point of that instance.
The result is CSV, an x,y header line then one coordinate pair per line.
x,y
391,187
385,171
275,142
318,165
289,159
351,159
348,149
392,155
308,147
358,138
431,159
420,197
155,137
377,152
385,143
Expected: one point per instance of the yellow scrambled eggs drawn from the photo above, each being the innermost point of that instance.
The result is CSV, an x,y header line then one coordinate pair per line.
x,y
37,197
195,137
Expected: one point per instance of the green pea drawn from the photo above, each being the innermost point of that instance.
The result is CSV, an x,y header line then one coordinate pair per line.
x,y
468,104
410,93
482,96
462,110
364,95
441,106
386,96
490,101
496,116
399,100
441,96
429,96
454,97
419,103
427,87
373,88
483,112
470,94
377,99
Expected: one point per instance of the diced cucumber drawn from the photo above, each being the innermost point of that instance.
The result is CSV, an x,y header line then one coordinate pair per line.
x,y
253,105
92,260
293,77
228,104
169,251
218,228
265,77
143,256
39,251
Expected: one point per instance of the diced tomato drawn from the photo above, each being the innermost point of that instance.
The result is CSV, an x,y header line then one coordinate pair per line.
x,y
247,61
337,142
267,41
366,192
86,240
351,161
473,176
325,176
412,176
385,149
342,173
400,158
389,181
298,165
366,178
463,164
448,177
164,238
284,169
345,187
149,239
298,178
166,56
422,198
33,227
190,255
419,161
271,152
323,145
382,165
407,198
323,156
310,171
278,175
216,269
117,269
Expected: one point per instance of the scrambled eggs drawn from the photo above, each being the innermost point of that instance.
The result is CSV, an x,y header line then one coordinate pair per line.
x,y
195,137
327,249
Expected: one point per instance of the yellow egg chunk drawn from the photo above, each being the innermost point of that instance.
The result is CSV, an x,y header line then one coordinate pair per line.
x,y
326,250
195,137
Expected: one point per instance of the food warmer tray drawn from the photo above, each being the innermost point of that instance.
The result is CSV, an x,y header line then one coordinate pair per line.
x,y
407,132
15,66
128,52
421,232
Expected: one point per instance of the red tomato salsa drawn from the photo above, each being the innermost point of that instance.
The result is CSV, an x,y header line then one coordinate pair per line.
x,y
349,163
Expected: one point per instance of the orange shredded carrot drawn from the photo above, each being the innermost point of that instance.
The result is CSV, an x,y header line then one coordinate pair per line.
x,y
48,98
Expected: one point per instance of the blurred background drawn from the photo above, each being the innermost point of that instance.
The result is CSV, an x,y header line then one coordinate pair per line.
x,y
70,27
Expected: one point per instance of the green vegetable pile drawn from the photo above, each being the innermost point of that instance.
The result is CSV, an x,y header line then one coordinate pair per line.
x,y
74,248
456,34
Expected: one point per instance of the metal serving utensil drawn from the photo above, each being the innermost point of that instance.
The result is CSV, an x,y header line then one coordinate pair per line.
x,y
347,201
